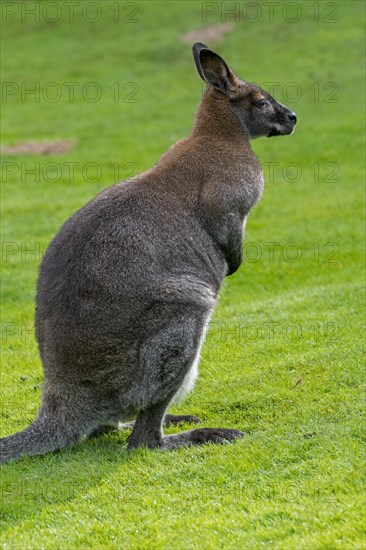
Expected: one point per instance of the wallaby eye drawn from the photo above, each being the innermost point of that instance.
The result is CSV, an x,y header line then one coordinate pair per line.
x,y
261,103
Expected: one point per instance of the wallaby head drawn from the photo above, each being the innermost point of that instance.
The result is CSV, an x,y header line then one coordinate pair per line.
x,y
259,113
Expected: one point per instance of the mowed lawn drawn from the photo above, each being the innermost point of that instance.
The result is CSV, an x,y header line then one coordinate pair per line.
x,y
283,355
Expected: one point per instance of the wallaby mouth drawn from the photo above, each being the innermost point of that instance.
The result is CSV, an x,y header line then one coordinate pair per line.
x,y
282,131
274,132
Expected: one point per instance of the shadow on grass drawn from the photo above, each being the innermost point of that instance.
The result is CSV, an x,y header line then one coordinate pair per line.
x,y
32,484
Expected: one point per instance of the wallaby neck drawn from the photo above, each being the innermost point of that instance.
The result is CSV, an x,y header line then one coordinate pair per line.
x,y
215,117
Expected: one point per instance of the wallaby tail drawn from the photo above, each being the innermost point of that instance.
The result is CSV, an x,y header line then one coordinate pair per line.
x,y
49,432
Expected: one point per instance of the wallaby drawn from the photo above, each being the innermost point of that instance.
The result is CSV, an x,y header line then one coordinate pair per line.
x,y
127,286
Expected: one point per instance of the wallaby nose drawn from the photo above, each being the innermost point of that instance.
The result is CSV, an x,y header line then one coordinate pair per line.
x,y
292,117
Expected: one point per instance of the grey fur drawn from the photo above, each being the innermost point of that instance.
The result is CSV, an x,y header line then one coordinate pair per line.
x,y
127,286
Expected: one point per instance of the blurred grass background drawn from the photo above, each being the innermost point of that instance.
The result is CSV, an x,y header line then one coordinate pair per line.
x,y
283,355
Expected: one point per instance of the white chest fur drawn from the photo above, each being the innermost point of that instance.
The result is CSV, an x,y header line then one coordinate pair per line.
x,y
245,223
191,376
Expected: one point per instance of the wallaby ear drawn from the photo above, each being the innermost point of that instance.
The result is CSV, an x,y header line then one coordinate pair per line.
x,y
197,47
213,69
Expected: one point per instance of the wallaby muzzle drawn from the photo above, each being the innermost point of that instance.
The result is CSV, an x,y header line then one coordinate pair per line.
x,y
285,121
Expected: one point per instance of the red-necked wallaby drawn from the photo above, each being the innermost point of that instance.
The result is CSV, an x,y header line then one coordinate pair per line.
x,y
127,286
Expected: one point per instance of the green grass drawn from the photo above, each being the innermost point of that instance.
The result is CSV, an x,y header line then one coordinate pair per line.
x,y
283,355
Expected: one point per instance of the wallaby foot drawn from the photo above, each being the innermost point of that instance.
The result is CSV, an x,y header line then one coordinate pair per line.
x,y
177,420
147,432
200,437
186,439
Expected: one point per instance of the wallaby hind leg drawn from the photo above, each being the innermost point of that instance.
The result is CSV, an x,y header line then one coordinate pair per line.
x,y
166,359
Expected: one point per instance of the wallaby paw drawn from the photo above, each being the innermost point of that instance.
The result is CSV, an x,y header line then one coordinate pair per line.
x,y
176,420
214,435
